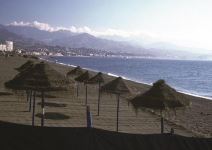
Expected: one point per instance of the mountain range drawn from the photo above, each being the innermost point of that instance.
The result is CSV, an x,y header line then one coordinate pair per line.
x,y
32,36
66,38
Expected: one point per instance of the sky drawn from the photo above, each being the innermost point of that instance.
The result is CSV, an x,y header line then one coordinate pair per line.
x,y
186,23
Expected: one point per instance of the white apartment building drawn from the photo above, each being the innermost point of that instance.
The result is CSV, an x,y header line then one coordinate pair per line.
x,y
3,47
8,46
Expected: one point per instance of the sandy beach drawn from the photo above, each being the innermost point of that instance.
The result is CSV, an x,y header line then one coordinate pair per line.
x,y
65,109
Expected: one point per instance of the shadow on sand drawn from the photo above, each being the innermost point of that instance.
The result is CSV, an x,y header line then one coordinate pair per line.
x,y
53,116
50,104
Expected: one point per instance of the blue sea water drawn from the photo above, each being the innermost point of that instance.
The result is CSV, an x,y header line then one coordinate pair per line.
x,y
193,77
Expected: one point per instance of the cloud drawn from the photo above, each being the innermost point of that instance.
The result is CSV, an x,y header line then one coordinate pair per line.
x,y
48,27
85,29
35,24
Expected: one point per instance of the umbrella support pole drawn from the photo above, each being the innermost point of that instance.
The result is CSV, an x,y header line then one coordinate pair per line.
x,y
33,109
27,93
89,117
98,100
77,89
86,94
162,123
43,109
30,101
117,119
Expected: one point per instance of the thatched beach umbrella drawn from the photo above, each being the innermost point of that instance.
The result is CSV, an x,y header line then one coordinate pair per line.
x,y
17,82
160,97
97,79
26,65
77,71
83,78
42,78
117,87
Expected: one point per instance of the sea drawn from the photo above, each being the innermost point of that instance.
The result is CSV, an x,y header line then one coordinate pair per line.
x,y
187,76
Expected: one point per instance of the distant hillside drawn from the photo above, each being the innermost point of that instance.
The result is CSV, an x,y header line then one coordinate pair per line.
x,y
19,40
39,35
7,35
30,36
75,40
89,41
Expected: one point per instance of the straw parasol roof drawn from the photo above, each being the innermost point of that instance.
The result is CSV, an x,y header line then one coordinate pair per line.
x,y
83,77
41,77
75,72
116,86
160,96
18,82
98,78
44,78
26,65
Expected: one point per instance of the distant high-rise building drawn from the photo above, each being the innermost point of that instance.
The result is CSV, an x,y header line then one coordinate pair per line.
x,y
3,47
7,47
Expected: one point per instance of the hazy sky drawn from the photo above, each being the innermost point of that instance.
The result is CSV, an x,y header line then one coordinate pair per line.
x,y
182,22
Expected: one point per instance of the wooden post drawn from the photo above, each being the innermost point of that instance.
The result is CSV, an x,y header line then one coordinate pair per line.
x,y
30,101
89,117
43,109
86,94
162,123
33,108
117,119
27,93
98,100
77,89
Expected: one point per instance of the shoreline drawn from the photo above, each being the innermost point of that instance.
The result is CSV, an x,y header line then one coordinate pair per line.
x,y
137,57
115,75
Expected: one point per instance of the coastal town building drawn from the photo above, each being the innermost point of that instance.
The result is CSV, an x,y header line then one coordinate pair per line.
x,y
8,46
3,47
